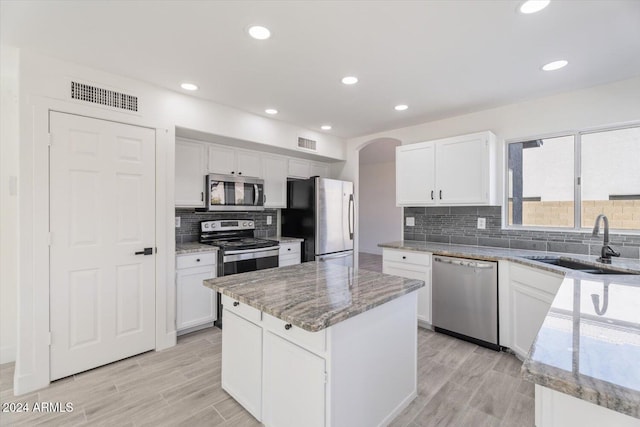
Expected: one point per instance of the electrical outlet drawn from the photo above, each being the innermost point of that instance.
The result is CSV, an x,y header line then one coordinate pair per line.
x,y
411,221
482,223
177,222
269,220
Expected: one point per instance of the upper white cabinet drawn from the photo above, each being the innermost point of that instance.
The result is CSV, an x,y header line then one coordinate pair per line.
x,y
229,161
299,168
448,172
190,171
274,173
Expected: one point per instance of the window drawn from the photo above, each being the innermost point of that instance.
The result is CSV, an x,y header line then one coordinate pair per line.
x,y
566,181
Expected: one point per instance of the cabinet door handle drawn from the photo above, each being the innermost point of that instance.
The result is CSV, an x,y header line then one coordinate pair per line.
x,y
404,257
198,260
288,249
239,173
236,303
431,194
233,172
440,194
287,326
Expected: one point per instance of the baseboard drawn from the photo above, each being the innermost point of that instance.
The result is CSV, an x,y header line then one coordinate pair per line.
x,y
401,407
24,384
7,354
166,340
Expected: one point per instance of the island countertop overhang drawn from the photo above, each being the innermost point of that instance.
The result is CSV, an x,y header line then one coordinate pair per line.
x,y
313,295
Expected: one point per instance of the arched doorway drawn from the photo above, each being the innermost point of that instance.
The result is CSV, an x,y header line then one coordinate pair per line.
x,y
379,219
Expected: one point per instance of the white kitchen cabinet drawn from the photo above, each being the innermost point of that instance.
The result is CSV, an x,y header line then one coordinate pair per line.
x,y
319,169
289,254
190,172
299,168
229,161
448,172
294,384
274,173
242,360
196,305
412,265
528,293
415,177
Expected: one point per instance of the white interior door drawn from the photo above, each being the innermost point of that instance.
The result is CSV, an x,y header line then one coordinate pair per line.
x,y
102,189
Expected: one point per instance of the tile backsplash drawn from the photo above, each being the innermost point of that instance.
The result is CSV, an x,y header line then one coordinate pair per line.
x,y
458,225
189,230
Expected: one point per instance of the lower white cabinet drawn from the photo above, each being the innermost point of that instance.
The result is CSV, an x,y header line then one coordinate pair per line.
x,y
289,254
294,384
412,265
242,361
528,293
195,304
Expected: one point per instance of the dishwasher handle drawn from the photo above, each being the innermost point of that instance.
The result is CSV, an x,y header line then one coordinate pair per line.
x,y
461,263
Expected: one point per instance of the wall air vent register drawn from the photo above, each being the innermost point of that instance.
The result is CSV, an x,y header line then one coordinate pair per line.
x,y
109,98
307,144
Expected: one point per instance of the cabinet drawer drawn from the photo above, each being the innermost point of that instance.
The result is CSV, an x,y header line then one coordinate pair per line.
x,y
314,341
409,257
196,260
289,248
241,309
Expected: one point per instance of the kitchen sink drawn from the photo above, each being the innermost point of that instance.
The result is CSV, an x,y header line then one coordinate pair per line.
x,y
578,265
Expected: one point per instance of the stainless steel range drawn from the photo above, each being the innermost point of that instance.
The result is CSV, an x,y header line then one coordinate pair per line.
x,y
239,251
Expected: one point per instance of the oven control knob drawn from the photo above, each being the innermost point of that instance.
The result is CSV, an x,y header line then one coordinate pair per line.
x,y
250,224
244,224
213,225
206,226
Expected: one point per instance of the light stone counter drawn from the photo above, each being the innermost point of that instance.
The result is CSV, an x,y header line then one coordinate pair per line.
x,y
589,344
284,239
193,247
313,295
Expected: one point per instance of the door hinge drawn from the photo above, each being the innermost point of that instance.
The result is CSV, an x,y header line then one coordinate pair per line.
x,y
49,338
49,238
326,378
50,139
578,180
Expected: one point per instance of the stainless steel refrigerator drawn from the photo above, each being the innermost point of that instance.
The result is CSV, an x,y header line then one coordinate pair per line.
x,y
322,212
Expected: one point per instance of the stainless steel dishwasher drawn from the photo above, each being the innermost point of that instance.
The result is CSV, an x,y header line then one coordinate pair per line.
x,y
465,299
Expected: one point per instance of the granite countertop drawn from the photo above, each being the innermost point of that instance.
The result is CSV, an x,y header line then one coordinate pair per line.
x,y
284,239
589,343
193,247
313,295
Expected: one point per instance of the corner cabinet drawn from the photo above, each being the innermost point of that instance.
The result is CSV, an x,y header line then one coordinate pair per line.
x,y
412,265
196,306
528,293
448,172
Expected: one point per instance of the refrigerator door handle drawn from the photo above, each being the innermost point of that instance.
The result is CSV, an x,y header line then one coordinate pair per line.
x,y
351,216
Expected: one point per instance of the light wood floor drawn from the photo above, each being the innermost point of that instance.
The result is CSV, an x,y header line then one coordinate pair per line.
x,y
459,384
370,262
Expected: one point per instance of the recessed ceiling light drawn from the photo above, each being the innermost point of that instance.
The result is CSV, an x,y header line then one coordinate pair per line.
x,y
325,127
401,107
271,111
350,80
189,86
533,6
259,33
555,65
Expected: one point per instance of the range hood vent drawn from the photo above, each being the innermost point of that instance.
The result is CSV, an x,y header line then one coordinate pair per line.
x,y
307,144
109,98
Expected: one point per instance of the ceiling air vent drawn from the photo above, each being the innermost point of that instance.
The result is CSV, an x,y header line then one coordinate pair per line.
x,y
307,144
110,98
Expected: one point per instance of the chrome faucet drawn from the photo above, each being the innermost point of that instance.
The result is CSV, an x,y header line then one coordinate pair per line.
x,y
607,251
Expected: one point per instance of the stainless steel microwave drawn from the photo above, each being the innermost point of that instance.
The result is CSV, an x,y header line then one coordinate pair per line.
x,y
234,193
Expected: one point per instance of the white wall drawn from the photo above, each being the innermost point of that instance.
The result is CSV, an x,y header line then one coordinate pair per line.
x,y
9,137
379,217
609,104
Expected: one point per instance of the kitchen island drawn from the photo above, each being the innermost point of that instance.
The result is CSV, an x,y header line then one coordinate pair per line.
x,y
318,344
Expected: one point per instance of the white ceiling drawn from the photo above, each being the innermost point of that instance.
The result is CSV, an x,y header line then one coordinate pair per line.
x,y
442,58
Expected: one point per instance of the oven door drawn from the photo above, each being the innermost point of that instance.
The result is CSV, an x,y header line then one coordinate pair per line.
x,y
244,261
231,193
